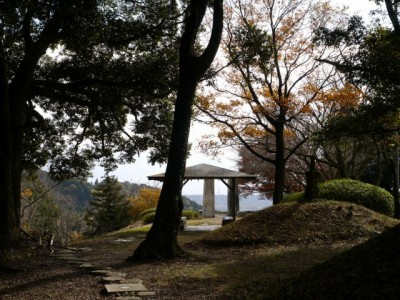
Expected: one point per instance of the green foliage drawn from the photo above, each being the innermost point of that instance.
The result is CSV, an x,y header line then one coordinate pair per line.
x,y
375,65
109,209
53,208
148,218
293,197
111,59
46,216
368,195
251,46
78,190
191,214
147,211
353,191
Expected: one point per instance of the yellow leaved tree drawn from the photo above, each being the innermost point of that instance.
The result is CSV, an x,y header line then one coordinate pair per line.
x,y
269,89
146,198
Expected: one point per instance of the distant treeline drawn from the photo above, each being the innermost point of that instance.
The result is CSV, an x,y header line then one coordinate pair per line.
x,y
80,191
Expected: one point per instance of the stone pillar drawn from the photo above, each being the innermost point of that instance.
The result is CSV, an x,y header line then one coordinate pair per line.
x,y
208,199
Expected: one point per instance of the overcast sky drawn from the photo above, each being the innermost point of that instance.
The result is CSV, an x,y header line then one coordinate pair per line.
x,y
139,171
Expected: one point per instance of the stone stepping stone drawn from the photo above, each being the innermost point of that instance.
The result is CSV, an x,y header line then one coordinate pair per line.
x,y
120,241
85,249
146,293
64,251
72,248
128,298
86,266
132,280
76,262
65,256
101,272
128,287
112,279
74,258
116,274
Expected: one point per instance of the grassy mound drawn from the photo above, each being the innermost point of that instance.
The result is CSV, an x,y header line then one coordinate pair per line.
x,y
318,223
368,271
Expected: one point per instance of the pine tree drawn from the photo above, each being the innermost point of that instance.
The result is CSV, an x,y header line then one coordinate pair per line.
x,y
109,209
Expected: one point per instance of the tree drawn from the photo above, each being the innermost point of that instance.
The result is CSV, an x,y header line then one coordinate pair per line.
x,y
161,241
110,59
109,209
40,211
271,80
45,219
146,198
50,208
373,67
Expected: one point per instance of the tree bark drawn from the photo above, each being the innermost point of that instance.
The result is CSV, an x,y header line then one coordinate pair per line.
x,y
161,241
15,93
280,163
8,224
393,16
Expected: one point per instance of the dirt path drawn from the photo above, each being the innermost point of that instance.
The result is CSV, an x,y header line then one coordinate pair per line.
x,y
290,240
207,273
46,276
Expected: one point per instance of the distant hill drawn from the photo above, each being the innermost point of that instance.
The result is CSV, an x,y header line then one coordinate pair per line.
x,y
78,193
250,203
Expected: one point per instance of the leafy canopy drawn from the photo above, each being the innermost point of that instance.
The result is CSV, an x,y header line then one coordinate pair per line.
x,y
103,85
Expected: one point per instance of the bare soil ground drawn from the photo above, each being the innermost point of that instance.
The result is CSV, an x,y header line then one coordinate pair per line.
x,y
250,259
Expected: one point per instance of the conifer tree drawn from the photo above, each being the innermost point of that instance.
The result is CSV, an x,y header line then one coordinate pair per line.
x,y
109,209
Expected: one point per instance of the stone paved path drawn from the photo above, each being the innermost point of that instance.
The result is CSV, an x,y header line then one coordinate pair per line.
x,y
114,282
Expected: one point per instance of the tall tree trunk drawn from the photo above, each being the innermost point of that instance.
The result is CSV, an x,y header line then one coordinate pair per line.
x,y
14,94
279,164
13,119
8,224
11,167
396,187
161,241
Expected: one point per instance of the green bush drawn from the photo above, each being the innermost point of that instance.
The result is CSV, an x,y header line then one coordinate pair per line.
x,y
191,214
365,194
148,218
368,195
293,197
145,212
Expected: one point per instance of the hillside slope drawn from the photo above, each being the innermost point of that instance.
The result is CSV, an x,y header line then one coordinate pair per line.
x,y
368,271
318,223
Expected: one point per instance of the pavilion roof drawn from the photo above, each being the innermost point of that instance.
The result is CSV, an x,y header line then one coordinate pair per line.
x,y
205,171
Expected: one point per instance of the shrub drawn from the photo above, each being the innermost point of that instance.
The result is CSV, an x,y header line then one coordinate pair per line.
x,y
145,212
148,218
147,198
353,191
293,197
368,195
191,214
